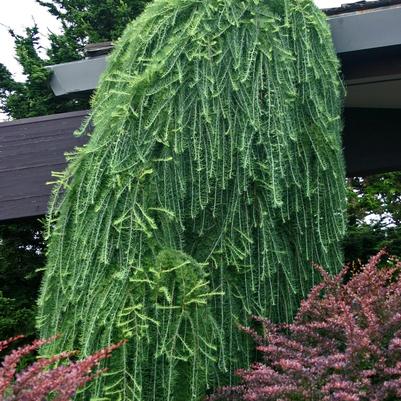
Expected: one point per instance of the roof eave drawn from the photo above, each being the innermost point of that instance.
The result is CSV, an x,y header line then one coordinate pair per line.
x,y
361,30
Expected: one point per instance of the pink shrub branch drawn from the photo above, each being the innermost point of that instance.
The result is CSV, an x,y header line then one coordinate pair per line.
x,y
45,376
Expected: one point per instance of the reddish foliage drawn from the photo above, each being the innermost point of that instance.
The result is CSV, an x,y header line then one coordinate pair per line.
x,y
344,344
43,377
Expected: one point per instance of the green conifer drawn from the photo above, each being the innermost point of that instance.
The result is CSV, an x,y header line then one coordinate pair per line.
x,y
213,176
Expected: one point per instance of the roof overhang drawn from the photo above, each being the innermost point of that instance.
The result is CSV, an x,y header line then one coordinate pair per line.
x,y
369,33
367,29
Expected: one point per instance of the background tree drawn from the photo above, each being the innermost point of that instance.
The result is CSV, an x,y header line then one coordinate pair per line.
x,y
374,214
82,22
91,21
21,244
21,254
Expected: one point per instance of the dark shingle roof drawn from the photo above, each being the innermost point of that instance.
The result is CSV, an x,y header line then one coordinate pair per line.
x,y
360,6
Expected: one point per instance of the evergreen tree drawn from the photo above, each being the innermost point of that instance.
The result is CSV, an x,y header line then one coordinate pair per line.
x,y
33,97
213,176
92,21
21,254
82,22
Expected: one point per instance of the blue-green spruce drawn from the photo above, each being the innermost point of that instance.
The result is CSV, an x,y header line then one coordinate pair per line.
x,y
213,176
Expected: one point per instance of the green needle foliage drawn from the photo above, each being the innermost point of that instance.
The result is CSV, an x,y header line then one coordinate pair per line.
x,y
213,176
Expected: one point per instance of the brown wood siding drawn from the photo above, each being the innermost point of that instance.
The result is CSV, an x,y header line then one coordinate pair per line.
x,y
31,149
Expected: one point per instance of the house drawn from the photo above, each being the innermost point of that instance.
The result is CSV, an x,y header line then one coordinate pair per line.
x,y
367,37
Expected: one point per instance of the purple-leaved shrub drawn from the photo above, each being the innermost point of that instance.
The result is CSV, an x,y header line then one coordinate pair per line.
x,y
46,377
344,344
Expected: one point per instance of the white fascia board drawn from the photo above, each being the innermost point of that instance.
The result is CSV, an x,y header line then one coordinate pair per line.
x,y
355,31
76,76
368,29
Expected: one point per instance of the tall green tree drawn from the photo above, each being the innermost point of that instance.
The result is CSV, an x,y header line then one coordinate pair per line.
x,y
92,21
213,175
82,22
33,97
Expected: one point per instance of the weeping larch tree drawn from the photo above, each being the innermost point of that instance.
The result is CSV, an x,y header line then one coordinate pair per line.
x,y
213,176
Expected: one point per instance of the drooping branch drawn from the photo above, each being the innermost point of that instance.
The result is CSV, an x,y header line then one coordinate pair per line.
x,y
213,176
